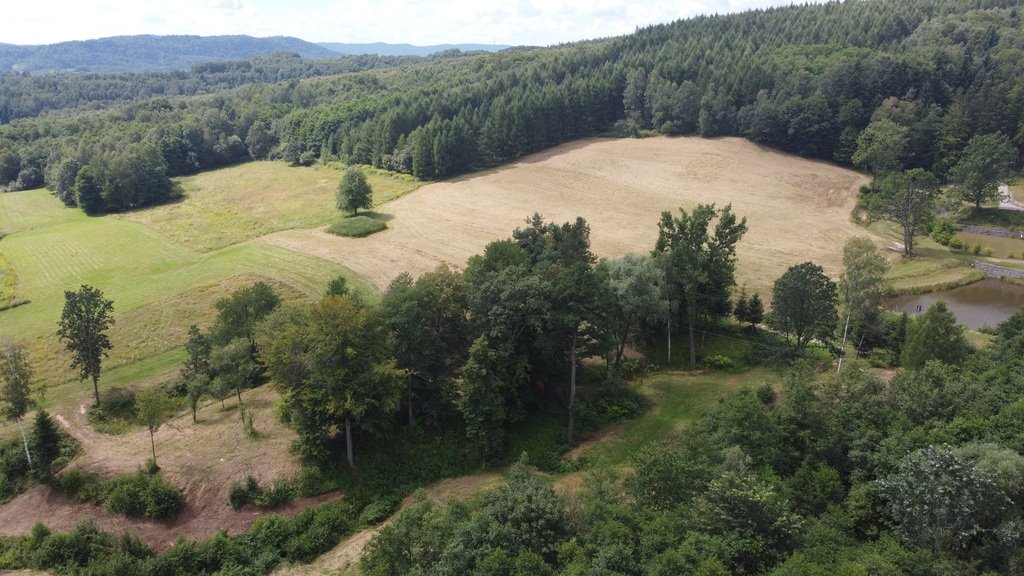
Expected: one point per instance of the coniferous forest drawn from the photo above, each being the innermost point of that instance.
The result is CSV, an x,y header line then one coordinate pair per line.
x,y
805,79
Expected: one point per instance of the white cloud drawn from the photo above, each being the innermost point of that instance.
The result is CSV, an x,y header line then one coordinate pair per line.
x,y
417,22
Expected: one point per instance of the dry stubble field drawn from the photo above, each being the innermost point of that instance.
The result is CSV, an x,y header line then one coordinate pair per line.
x,y
796,209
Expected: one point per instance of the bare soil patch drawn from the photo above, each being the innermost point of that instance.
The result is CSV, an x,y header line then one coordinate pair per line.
x,y
797,209
202,460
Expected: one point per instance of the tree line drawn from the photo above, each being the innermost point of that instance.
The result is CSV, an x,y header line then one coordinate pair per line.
x,y
808,79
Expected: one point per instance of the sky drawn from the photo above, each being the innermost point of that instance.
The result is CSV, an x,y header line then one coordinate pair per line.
x,y
420,22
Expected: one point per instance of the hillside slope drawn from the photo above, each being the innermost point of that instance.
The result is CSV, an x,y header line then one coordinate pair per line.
x,y
148,52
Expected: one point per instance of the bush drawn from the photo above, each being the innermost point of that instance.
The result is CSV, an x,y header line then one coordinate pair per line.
x,y
142,496
719,362
357,227
943,231
282,492
377,511
136,495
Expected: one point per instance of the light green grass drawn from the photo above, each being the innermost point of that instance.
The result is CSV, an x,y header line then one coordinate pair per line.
x,y
677,400
356,227
158,286
231,205
30,209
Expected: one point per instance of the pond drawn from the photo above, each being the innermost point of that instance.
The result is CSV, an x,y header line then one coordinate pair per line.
x,y
987,302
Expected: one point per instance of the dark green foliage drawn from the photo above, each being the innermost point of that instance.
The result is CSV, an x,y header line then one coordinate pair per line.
x,y
700,262
943,503
238,314
667,474
51,449
88,192
332,364
804,304
250,492
985,163
907,199
935,336
354,192
815,80
429,329
758,519
46,443
357,227
138,495
86,317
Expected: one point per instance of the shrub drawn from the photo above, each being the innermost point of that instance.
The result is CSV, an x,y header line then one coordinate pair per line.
x,y
282,492
719,362
136,495
357,227
378,510
943,231
956,244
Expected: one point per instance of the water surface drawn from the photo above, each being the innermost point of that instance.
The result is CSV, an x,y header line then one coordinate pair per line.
x,y
988,302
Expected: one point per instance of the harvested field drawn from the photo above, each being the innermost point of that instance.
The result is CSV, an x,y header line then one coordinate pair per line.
x,y
797,209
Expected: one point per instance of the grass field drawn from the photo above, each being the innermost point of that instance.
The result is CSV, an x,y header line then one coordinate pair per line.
x,y
797,209
231,205
158,286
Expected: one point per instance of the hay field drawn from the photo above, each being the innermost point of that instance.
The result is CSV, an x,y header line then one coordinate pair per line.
x,y
227,206
796,209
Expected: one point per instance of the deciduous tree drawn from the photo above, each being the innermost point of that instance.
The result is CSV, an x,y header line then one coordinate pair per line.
x,y
907,199
238,314
701,262
154,407
804,304
354,192
935,335
16,376
984,165
881,147
942,502
861,285
83,325
638,294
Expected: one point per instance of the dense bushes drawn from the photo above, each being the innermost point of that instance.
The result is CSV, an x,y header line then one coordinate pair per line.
x,y
51,450
270,541
250,492
137,495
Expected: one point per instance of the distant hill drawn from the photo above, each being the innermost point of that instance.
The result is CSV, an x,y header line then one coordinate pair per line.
x,y
145,53
385,49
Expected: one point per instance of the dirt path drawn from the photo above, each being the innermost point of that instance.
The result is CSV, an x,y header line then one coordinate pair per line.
x,y
203,460
346,555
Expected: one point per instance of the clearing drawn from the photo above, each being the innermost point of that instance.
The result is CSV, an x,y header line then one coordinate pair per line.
x,y
201,459
231,205
796,209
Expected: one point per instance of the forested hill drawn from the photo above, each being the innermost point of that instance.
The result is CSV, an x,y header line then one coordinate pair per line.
x,y
385,49
148,53
807,79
